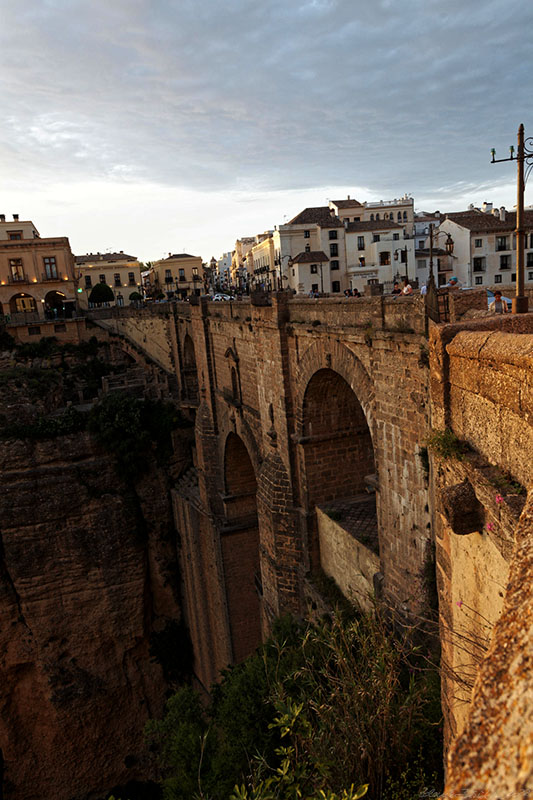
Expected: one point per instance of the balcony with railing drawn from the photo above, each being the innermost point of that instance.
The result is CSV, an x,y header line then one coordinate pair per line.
x,y
18,277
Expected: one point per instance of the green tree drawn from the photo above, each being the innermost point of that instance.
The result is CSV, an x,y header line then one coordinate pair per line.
x,y
101,293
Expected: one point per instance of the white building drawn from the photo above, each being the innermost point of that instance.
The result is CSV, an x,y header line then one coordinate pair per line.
x,y
485,245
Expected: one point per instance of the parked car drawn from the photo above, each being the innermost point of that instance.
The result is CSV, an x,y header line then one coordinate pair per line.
x,y
218,297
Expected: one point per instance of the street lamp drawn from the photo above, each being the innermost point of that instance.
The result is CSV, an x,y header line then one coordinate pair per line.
x,y
279,262
523,155
448,246
403,250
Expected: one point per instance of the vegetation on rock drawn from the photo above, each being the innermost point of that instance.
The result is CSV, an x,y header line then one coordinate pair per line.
x,y
323,708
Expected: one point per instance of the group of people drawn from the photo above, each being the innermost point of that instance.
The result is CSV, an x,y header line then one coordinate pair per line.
x,y
405,289
352,293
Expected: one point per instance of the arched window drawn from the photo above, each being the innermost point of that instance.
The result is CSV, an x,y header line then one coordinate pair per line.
x,y
371,218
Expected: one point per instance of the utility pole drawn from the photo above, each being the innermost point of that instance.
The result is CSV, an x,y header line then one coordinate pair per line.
x,y
523,155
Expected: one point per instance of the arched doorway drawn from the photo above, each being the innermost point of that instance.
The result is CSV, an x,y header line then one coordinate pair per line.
x,y
240,549
190,372
338,462
22,303
54,304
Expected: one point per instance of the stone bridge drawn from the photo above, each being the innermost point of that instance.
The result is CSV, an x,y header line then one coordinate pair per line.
x,y
311,423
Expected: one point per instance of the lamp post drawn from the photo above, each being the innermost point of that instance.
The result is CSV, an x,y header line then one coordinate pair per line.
x,y
448,245
403,250
279,262
523,155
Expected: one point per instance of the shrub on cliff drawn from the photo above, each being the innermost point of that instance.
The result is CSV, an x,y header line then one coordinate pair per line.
x,y
131,429
369,708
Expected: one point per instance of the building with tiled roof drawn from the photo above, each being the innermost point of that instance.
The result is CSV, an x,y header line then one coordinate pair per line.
x,y
120,271
485,246
178,275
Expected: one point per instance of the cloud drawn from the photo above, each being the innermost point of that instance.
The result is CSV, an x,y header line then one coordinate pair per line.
x,y
242,95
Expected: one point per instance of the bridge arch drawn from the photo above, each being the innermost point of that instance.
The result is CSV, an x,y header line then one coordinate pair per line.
x,y
336,455
240,548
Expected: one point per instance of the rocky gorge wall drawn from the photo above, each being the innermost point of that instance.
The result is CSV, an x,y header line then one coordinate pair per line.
x,y
87,576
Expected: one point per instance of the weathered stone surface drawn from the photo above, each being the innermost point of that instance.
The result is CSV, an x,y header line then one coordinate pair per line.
x,y
87,573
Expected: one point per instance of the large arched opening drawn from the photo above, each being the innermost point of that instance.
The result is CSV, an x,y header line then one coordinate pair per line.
x,y
338,471
240,549
54,303
190,371
22,303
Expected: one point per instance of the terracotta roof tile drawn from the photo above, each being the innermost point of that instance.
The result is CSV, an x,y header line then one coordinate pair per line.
x,y
318,215
479,221
347,203
88,257
313,257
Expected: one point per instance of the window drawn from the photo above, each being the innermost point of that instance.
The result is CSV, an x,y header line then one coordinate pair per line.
x,y
307,234
360,242
335,286
15,267
361,261
102,278
131,278
513,277
293,273
421,263
377,216
529,276
314,269
384,259
334,249
314,287
478,242
399,216
34,330
371,218
421,244
181,273
478,280
479,264
307,248
116,278
405,216
501,243
531,240
334,264
88,281
50,267
505,262
168,276
395,236
332,234
14,236
358,219
530,259
497,279
376,237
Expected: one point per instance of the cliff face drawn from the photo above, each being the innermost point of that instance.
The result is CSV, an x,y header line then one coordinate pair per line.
x,y
87,574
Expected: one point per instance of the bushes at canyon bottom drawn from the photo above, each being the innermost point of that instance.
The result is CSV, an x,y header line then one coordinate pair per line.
x,y
330,707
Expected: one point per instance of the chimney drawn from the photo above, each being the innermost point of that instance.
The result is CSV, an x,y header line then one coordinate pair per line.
x,y
486,207
170,255
349,198
2,217
15,217
437,214
502,214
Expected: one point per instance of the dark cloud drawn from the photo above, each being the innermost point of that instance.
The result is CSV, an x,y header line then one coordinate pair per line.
x,y
229,94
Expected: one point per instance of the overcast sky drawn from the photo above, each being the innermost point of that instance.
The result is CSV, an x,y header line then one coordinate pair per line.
x,y
152,126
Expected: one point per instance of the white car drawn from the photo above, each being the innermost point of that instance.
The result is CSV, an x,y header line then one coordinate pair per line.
x,y
217,297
